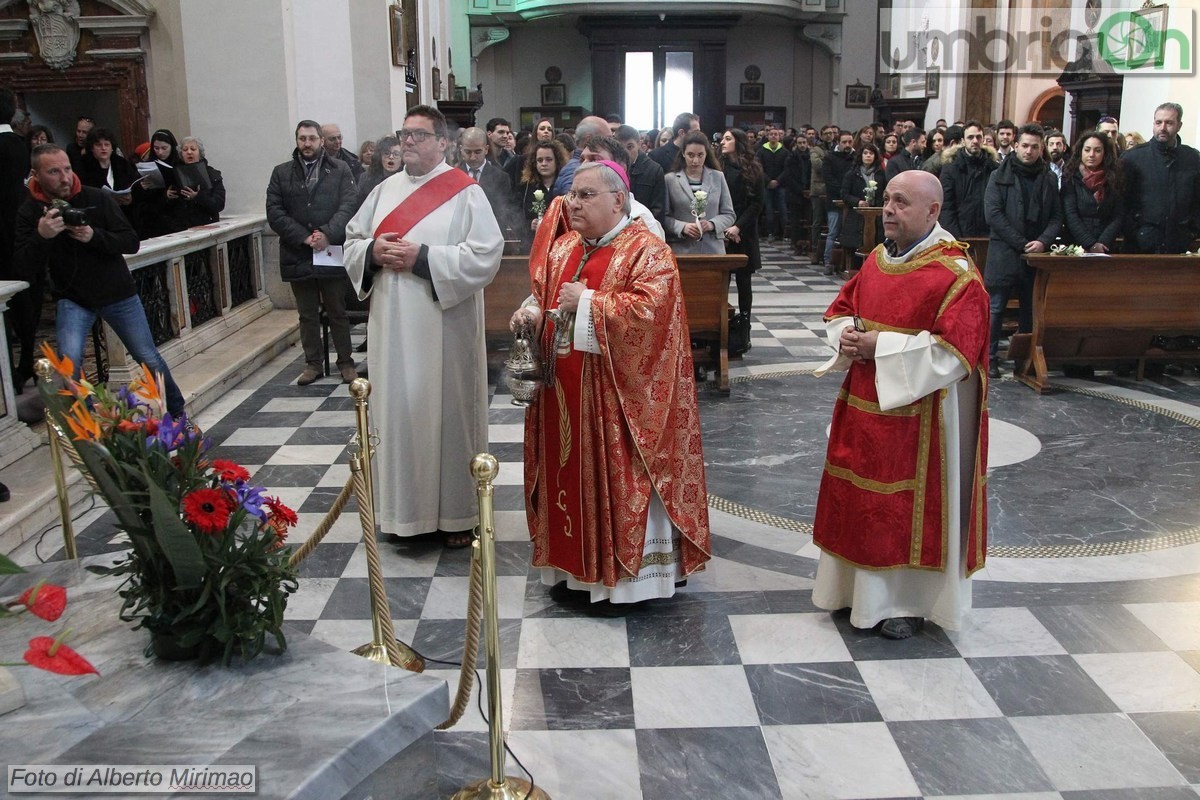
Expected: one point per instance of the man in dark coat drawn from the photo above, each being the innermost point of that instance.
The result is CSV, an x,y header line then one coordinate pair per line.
x,y
965,172
473,147
24,308
1022,205
646,178
833,169
773,157
909,157
309,201
331,139
797,178
1162,199
665,156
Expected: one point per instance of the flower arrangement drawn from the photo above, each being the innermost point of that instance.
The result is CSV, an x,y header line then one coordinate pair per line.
x,y
45,601
539,203
869,192
1066,250
206,574
699,204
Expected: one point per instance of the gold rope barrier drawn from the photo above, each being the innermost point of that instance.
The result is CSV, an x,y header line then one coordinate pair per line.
x,y
314,538
484,468
466,673
384,647
59,443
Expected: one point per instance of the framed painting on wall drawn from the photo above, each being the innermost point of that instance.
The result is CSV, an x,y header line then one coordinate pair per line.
x,y
751,94
554,94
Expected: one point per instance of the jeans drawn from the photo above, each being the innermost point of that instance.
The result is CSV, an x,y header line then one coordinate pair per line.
x,y
1000,295
833,221
775,201
127,318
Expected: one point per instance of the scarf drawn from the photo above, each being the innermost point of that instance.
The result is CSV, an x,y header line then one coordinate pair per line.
x,y
1094,181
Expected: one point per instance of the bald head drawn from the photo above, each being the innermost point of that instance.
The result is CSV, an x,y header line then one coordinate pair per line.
x,y
473,147
591,126
911,204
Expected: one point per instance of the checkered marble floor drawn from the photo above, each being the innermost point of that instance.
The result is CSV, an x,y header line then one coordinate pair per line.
x,y
1074,678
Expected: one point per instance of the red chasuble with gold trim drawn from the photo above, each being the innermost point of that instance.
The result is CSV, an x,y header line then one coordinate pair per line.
x,y
616,424
883,501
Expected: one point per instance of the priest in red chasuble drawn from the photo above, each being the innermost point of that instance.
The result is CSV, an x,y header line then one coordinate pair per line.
x,y
614,472
902,514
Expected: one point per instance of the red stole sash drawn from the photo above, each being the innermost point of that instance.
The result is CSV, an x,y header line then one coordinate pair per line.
x,y
569,471
425,200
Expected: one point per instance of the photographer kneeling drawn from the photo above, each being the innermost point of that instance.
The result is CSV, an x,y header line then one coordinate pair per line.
x,y
79,234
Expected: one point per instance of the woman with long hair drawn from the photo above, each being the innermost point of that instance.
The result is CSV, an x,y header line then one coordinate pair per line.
x,y
934,144
365,151
1092,184
747,188
857,192
891,146
664,136
696,170
538,173
544,131
385,162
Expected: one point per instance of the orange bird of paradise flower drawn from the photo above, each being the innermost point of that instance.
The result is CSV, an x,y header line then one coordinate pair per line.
x,y
83,425
146,386
63,366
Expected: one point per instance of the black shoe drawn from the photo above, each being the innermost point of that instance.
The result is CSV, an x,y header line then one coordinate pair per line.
x,y
901,627
5,494
561,593
994,371
362,348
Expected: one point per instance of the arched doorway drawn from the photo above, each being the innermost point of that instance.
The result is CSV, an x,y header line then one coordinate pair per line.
x,y
1048,110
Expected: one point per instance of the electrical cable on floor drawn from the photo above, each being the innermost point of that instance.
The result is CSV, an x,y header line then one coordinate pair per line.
x,y
75,518
482,713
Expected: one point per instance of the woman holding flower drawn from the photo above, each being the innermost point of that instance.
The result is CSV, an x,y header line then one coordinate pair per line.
x,y
1091,193
863,187
699,205
536,188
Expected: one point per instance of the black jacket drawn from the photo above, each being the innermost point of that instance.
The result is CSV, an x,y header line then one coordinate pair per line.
x,y
499,191
1087,221
964,181
834,169
14,169
294,213
665,156
352,161
649,185
1004,206
854,189
772,162
206,207
91,275
747,199
1162,212
901,162
797,175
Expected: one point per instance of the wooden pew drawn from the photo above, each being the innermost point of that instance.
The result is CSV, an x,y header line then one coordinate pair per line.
x,y
705,282
1097,310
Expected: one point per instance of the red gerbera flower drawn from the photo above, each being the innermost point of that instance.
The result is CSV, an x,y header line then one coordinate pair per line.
x,y
45,600
207,509
281,512
54,656
230,471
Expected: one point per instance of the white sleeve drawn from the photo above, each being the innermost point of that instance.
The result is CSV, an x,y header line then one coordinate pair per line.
x,y
585,327
908,368
833,335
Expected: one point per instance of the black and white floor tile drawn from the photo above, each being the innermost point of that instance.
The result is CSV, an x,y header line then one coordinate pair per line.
x,y
1077,675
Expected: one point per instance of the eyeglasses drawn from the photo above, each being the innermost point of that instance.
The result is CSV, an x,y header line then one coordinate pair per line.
x,y
393,154
585,195
417,135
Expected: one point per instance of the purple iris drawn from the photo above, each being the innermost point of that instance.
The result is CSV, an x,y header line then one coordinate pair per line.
x,y
251,498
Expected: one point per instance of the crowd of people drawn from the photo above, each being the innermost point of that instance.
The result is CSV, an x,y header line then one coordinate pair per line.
x,y
415,224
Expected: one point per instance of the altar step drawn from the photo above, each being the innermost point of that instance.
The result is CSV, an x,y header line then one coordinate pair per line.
x,y
204,379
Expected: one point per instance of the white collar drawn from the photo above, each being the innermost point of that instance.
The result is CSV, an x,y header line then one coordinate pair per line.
x,y
938,234
6,129
612,234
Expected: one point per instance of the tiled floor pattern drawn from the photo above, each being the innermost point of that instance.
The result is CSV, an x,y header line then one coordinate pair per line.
x,y
739,687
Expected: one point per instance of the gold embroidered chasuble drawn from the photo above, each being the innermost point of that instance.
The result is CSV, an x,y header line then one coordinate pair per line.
x,y
618,424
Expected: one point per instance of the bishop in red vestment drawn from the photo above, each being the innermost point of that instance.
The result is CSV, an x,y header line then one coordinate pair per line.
x,y
614,472
902,514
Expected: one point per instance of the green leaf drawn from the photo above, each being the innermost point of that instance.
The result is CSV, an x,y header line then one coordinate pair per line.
x,y
176,540
8,566
96,462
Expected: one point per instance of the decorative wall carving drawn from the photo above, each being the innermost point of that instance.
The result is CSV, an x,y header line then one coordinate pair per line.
x,y
56,26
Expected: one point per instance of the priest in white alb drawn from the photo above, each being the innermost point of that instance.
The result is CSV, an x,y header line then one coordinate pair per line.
x,y
423,246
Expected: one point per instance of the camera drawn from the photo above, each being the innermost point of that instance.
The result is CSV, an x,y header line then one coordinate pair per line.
x,y
74,217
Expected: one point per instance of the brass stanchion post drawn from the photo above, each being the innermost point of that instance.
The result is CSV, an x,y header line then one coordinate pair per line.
x,y
46,372
384,648
484,468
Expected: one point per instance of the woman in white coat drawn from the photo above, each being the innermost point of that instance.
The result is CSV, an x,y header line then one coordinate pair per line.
x,y
697,170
